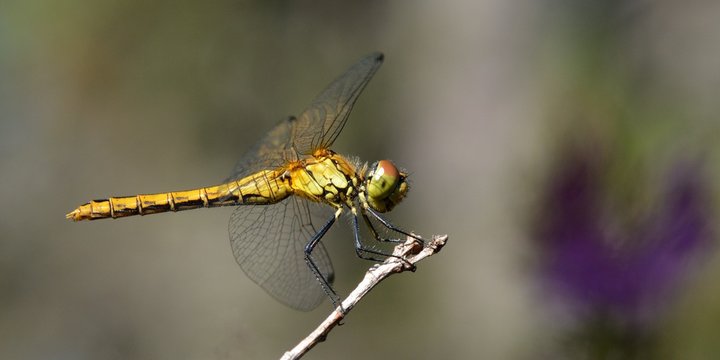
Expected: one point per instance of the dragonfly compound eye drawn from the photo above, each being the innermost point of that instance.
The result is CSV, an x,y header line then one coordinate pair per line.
x,y
383,180
385,186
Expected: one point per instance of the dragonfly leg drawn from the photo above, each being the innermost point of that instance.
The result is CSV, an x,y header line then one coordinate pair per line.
x,y
375,233
361,250
378,238
324,282
390,226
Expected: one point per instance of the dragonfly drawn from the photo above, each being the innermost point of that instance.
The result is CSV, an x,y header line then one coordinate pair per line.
x,y
273,235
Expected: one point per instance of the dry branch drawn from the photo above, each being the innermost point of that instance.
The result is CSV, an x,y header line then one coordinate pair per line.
x,y
411,251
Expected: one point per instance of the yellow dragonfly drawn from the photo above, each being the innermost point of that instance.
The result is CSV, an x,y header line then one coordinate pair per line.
x,y
275,240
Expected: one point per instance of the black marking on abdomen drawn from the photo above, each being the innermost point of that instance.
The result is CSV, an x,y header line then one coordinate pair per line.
x,y
189,204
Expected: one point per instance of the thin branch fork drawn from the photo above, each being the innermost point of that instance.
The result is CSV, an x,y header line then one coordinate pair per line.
x,y
411,251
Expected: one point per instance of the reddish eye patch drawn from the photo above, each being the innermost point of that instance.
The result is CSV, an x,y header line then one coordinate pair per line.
x,y
386,168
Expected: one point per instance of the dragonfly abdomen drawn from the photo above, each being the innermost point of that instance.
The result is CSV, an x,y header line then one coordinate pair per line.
x,y
145,204
265,187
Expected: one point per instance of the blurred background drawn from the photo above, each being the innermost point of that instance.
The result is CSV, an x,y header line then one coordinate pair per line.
x,y
569,149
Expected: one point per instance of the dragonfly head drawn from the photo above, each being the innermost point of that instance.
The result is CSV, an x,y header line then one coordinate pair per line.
x,y
385,186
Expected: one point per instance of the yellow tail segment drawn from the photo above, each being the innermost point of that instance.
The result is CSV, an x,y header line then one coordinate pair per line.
x,y
266,187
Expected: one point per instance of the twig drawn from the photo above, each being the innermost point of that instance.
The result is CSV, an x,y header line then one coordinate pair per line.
x,y
411,251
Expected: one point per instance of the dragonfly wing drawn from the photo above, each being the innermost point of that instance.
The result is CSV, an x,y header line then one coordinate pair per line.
x,y
320,123
268,242
317,126
272,151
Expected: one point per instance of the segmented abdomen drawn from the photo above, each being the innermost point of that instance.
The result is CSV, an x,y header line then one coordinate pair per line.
x,y
265,187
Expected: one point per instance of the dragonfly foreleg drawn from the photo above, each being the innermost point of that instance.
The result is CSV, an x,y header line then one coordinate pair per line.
x,y
388,225
361,250
375,233
366,253
359,247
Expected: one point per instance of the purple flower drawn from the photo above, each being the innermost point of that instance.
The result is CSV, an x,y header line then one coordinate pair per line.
x,y
604,256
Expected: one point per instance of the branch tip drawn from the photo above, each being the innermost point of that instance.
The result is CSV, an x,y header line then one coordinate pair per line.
x,y
406,255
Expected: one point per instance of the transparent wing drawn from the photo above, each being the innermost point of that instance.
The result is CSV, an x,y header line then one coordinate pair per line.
x,y
317,127
272,151
268,242
320,124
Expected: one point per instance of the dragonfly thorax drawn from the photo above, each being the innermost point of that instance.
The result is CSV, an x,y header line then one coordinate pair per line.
x,y
326,177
